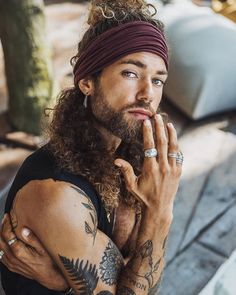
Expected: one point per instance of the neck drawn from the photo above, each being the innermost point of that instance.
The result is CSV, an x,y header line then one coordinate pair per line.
x,y
112,141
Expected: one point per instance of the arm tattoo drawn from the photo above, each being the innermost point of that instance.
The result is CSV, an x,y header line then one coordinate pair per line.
x,y
93,214
85,276
154,290
136,284
111,264
144,256
125,291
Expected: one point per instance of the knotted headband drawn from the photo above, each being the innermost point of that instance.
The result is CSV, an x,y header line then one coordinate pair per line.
x,y
117,42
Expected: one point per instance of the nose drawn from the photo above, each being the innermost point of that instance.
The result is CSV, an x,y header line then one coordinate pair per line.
x,y
145,92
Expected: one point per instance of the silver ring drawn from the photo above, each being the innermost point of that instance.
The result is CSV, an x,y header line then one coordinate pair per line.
x,y
150,153
180,158
12,241
173,155
1,254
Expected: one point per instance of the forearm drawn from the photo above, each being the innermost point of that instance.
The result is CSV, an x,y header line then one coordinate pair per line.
x,y
144,270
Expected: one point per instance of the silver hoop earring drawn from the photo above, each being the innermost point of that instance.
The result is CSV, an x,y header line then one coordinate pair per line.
x,y
85,104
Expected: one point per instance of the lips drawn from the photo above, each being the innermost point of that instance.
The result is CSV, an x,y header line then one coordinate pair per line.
x,y
141,112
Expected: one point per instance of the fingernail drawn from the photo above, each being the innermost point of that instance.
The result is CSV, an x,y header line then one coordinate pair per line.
x,y
147,122
159,117
25,232
169,124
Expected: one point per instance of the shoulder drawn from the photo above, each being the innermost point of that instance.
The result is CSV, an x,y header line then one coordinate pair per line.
x,y
41,204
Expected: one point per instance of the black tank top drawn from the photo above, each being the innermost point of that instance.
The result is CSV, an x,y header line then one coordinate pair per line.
x,y
42,165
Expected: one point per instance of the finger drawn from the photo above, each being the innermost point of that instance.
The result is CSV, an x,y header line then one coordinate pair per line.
x,y
30,239
173,143
18,248
148,143
162,142
128,173
7,233
7,254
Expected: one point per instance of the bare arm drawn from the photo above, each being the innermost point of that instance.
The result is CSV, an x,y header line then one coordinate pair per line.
x,y
67,225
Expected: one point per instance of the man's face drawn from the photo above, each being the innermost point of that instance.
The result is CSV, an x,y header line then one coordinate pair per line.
x,y
128,92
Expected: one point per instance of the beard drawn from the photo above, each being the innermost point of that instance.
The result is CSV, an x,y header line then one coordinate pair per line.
x,y
126,129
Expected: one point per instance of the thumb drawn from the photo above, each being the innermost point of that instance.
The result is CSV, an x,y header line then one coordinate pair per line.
x,y
128,173
30,238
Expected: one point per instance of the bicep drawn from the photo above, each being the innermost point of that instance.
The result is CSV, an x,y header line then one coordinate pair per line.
x,y
67,227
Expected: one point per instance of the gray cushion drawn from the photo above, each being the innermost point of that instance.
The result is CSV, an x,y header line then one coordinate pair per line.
x,y
202,75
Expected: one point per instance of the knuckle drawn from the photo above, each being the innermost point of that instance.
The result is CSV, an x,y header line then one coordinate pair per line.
x,y
153,170
126,169
174,146
162,140
178,171
165,170
130,187
5,235
18,253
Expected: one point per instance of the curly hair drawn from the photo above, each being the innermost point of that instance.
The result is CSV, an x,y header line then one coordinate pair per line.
x,y
76,144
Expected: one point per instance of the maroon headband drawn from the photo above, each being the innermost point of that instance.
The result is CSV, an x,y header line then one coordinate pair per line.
x,y
117,42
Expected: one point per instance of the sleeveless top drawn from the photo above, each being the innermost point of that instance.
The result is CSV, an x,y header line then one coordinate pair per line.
x,y
38,166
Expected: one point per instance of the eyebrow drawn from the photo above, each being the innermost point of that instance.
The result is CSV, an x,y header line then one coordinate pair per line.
x,y
141,65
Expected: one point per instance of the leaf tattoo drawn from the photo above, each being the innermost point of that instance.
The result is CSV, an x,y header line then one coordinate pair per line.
x,y
145,253
84,276
93,214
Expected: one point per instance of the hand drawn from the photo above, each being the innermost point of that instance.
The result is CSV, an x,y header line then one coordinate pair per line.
x,y
29,258
157,185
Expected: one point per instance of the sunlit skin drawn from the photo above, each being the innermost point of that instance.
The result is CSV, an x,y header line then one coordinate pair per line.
x,y
132,87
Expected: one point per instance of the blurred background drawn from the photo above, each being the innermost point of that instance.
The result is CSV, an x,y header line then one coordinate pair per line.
x,y
38,38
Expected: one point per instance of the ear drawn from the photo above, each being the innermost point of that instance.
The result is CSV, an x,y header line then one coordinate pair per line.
x,y
86,85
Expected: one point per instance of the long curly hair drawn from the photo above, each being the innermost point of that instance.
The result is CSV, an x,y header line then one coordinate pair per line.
x,y
76,144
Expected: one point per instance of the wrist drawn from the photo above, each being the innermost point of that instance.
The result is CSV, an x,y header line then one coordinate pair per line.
x,y
153,221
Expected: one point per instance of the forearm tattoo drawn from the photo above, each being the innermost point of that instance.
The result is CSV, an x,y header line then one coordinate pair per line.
x,y
84,276
111,264
143,256
90,230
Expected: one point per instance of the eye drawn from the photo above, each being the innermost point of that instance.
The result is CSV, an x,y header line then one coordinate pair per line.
x,y
158,82
129,74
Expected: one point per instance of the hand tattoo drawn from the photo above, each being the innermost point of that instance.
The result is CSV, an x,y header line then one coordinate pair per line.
x,y
111,264
93,214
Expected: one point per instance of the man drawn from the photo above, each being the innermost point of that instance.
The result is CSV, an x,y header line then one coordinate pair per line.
x,y
101,224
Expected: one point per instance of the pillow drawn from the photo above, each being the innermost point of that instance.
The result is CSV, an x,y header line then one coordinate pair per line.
x,y
202,73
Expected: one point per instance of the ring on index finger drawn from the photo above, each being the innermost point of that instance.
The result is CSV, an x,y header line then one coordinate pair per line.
x,y
1,254
12,241
150,153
